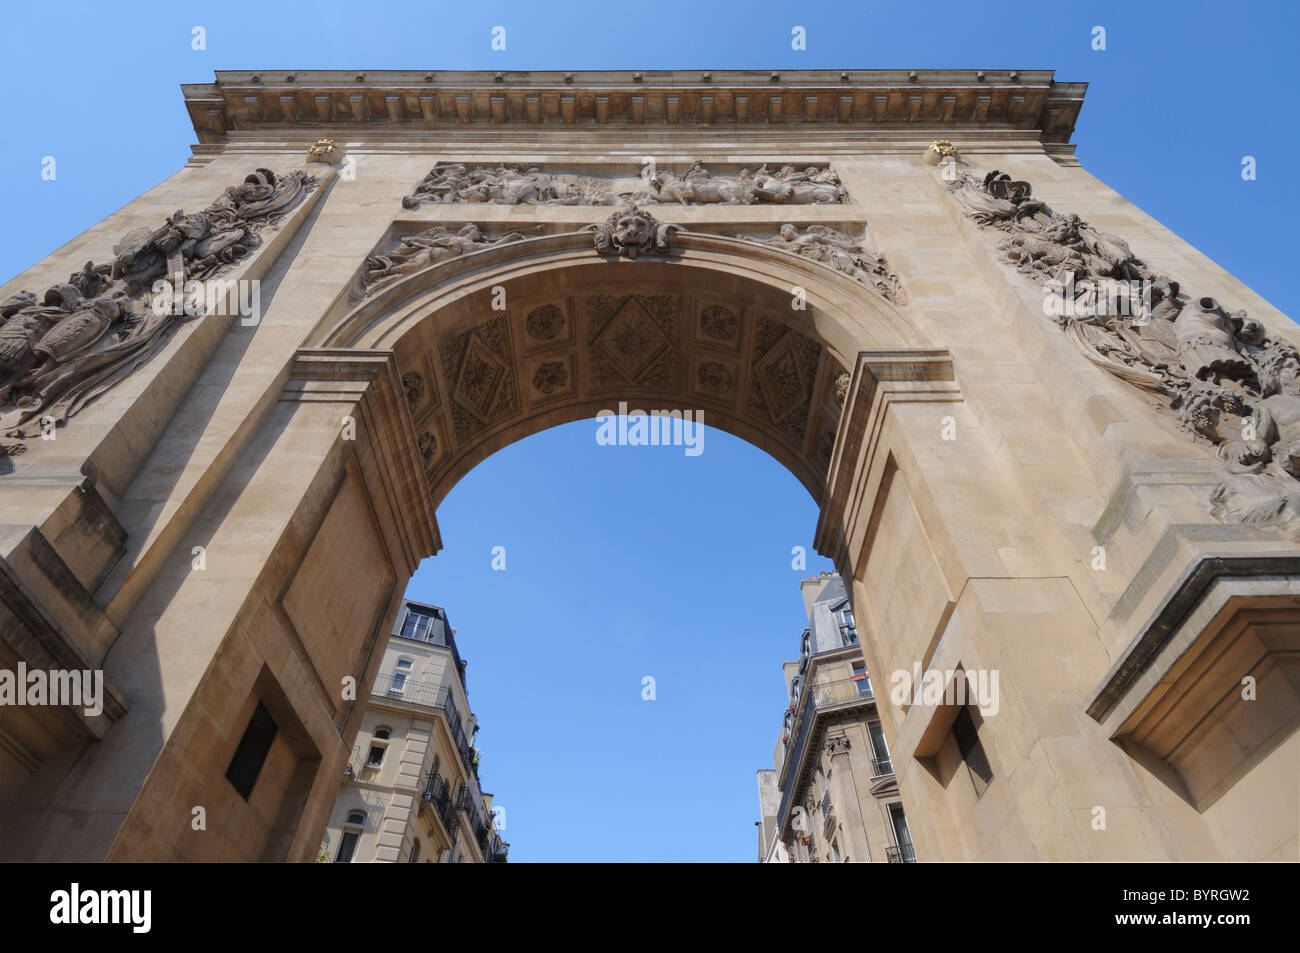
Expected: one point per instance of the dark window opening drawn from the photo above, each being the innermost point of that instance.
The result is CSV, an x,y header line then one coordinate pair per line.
x,y
347,848
966,735
376,756
252,751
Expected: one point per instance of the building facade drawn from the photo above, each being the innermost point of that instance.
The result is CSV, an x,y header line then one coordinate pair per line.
x,y
411,791
1088,514
833,796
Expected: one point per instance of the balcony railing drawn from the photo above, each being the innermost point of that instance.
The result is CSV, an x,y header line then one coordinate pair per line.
x,y
408,689
429,695
902,854
816,696
437,794
881,767
467,799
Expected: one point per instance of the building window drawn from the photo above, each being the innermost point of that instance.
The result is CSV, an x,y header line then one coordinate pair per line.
x,y
401,672
966,734
848,628
252,751
378,747
835,850
351,834
860,676
903,852
880,761
417,625
415,853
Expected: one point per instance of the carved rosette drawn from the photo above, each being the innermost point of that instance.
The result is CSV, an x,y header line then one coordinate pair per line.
x,y
719,323
544,323
550,377
714,377
413,388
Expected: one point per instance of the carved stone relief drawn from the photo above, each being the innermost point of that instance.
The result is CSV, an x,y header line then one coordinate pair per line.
x,y
506,185
1217,371
478,367
720,324
449,182
59,353
417,252
714,377
784,369
413,387
842,252
550,377
787,186
630,232
632,339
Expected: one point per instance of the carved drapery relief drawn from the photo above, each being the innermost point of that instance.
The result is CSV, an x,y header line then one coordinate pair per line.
x,y
845,254
59,353
417,252
1216,370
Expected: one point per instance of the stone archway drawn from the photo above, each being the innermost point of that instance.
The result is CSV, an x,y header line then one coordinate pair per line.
x,y
552,333
234,523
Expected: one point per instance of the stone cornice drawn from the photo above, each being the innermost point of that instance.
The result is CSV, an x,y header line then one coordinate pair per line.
x,y
379,103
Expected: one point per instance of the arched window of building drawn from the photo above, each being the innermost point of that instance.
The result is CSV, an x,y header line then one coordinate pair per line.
x,y
351,834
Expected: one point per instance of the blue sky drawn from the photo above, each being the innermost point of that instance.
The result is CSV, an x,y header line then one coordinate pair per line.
x,y
639,561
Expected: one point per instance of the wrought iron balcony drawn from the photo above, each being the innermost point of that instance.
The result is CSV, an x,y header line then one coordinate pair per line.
x,y
881,767
429,695
438,795
902,854
469,801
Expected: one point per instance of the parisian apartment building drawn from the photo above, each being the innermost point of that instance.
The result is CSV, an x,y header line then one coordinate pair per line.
x,y
411,791
831,796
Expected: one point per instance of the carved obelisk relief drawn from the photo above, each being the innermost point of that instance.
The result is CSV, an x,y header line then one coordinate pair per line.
x,y
1216,370
59,353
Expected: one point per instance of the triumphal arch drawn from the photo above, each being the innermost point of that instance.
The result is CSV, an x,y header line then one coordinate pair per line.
x,y
1049,439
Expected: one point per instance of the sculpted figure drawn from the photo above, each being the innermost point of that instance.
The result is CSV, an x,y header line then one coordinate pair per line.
x,y
1220,373
417,252
842,252
84,335
789,186
504,185
631,231
697,186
